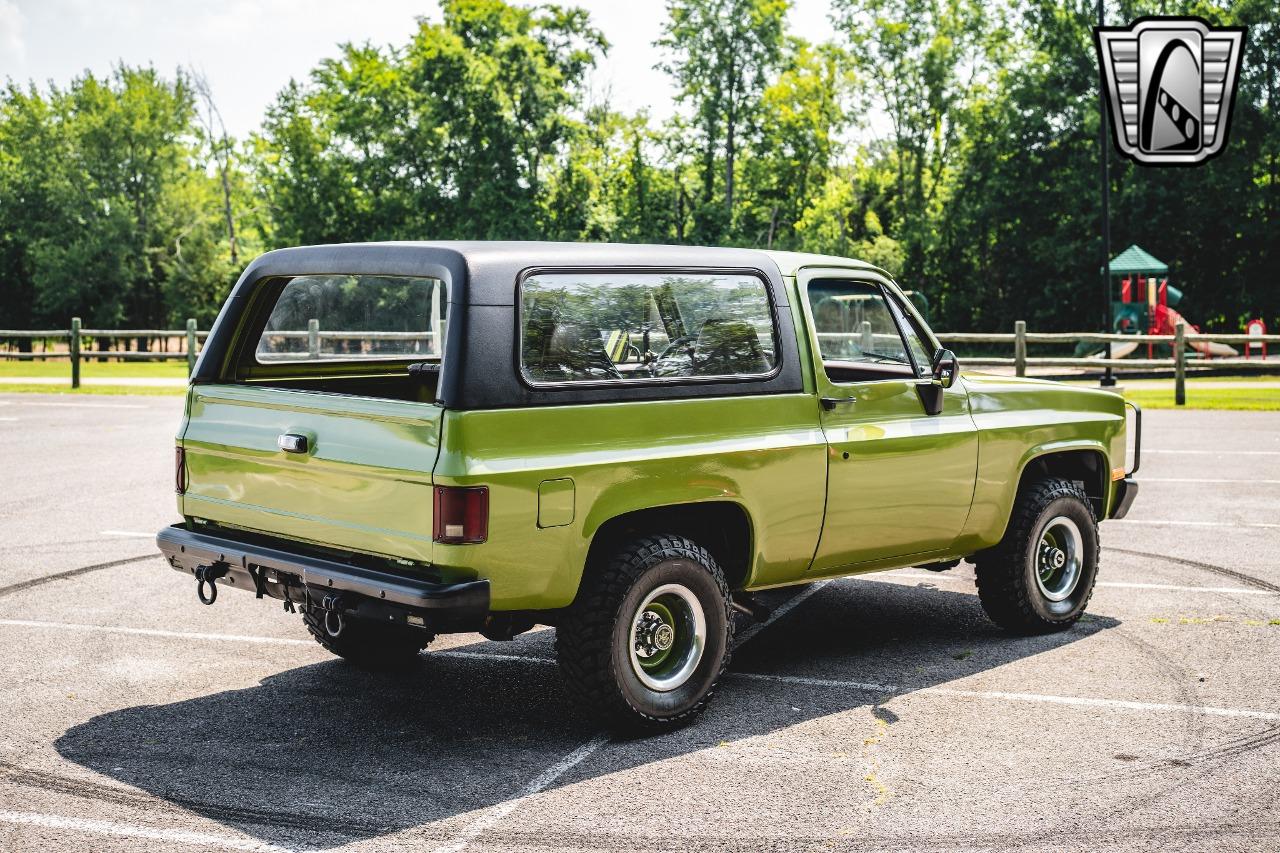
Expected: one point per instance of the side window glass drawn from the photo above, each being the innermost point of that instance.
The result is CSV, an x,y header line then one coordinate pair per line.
x,y
627,326
858,337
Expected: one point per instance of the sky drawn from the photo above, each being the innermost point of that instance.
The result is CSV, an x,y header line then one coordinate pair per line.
x,y
249,49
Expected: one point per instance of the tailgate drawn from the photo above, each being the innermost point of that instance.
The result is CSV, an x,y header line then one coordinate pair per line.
x,y
363,483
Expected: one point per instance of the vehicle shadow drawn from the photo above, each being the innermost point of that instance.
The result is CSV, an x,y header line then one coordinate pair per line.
x,y
325,754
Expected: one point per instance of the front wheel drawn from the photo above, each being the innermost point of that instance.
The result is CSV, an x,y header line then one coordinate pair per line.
x,y
1041,575
647,640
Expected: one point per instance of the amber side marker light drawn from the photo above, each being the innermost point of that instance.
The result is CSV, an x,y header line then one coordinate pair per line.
x,y
180,469
461,515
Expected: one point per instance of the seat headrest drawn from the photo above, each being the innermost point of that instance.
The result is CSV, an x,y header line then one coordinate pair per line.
x,y
727,347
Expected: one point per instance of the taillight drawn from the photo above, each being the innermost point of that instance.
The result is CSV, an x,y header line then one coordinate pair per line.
x,y
180,469
461,515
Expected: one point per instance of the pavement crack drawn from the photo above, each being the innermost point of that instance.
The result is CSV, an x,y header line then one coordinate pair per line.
x,y
1249,580
72,573
330,825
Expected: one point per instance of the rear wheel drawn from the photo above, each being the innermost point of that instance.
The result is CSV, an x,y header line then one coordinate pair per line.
x,y
647,640
367,644
1041,575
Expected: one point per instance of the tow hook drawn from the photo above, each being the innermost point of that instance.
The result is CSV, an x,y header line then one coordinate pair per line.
x,y
333,621
209,575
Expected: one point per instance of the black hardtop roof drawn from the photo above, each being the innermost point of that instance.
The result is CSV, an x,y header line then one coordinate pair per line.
x,y
484,272
479,371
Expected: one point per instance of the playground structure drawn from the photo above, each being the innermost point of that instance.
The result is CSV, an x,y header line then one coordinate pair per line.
x,y
1146,305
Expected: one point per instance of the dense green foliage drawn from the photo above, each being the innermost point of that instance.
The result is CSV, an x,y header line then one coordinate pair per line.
x,y
953,142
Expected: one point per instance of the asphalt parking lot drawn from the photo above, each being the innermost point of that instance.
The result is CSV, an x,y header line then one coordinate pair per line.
x,y
873,713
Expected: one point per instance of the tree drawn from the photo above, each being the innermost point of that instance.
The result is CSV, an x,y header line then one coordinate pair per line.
x,y
722,55
101,188
123,200
219,144
919,61
801,114
611,183
448,136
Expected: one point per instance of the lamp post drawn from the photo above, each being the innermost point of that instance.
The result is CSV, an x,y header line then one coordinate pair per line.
x,y
1108,380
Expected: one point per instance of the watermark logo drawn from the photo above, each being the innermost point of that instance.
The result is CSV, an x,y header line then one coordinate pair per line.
x,y
1170,84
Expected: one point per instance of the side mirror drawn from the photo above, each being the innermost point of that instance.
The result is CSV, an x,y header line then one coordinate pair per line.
x,y
945,368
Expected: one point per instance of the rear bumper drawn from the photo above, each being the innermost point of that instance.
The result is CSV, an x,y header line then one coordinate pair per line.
x,y
1126,491
304,579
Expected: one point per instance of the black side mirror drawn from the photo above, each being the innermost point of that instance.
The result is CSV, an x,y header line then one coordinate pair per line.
x,y
945,368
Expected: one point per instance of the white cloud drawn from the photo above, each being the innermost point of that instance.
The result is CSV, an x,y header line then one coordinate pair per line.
x,y
13,49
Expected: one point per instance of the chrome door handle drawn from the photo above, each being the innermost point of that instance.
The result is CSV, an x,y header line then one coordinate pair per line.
x,y
830,403
291,442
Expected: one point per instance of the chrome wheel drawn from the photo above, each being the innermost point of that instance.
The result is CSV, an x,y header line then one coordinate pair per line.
x,y
1059,556
668,635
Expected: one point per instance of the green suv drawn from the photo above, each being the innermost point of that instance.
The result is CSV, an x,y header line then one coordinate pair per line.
x,y
625,442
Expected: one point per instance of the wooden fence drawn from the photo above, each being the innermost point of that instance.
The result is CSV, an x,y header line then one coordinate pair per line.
x,y
1178,342
1019,339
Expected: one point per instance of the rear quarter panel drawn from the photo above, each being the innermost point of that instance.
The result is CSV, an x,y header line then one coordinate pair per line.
x,y
764,453
1020,419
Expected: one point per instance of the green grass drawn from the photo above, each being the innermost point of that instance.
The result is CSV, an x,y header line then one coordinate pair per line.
x,y
1200,393
111,390
1236,399
1191,379
95,369
1201,380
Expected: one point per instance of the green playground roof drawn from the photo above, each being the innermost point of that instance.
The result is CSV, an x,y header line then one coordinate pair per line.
x,y
1135,259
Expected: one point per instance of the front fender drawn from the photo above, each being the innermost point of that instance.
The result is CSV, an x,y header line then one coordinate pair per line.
x,y
1021,420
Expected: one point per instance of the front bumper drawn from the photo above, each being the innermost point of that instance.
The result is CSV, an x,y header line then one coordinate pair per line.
x,y
355,591
1126,491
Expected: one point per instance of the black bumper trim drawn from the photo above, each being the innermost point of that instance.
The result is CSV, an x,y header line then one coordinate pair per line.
x,y
187,550
1126,491
1137,437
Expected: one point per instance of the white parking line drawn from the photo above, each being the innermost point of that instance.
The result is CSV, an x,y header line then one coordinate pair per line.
x,y
153,632
790,604
128,830
8,419
1147,450
75,405
1145,480
939,576
1075,701
582,752
460,653
130,534
873,687
489,818
1168,522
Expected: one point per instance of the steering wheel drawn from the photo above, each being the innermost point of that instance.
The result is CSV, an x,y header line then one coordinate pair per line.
x,y
676,357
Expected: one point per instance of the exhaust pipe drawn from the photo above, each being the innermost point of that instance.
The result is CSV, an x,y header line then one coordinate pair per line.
x,y
746,603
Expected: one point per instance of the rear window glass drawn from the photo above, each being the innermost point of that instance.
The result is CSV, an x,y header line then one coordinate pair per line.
x,y
355,318
628,326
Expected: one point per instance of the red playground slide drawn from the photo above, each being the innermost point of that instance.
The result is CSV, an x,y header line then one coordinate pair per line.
x,y
1165,322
